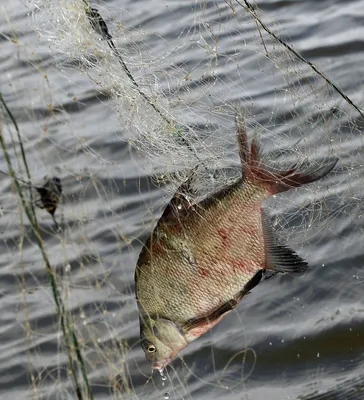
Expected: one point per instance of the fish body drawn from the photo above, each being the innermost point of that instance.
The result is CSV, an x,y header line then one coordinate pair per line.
x,y
202,259
50,194
189,259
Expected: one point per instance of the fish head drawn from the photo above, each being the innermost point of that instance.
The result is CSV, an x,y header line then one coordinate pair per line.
x,y
161,340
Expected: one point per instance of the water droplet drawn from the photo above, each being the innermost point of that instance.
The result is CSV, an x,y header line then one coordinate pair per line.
x,y
318,355
166,396
164,378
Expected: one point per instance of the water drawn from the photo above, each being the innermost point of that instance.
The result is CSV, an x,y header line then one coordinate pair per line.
x,y
164,378
290,339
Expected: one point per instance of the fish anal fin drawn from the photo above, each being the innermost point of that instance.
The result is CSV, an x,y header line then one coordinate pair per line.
x,y
257,278
280,258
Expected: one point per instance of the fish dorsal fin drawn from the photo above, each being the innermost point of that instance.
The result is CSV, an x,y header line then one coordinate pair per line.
x,y
280,257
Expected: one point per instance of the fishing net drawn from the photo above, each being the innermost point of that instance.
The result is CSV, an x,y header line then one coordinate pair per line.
x,y
124,106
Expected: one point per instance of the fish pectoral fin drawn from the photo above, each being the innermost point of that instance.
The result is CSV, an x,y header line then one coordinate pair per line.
x,y
260,276
268,274
205,323
257,278
216,315
280,258
231,304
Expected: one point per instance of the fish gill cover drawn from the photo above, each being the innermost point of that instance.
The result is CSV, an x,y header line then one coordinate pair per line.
x,y
124,101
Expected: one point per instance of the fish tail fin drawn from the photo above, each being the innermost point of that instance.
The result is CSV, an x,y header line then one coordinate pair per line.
x,y
276,181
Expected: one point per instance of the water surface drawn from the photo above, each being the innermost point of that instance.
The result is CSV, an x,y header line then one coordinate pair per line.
x,y
292,338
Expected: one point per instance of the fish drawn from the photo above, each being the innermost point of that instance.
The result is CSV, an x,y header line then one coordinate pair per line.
x,y
50,194
202,259
49,197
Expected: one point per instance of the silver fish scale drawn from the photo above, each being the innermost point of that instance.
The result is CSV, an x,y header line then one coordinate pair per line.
x,y
204,265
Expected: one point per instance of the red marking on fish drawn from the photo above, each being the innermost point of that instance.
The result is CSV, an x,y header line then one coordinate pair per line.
x,y
225,242
203,272
175,228
246,266
223,233
157,249
241,265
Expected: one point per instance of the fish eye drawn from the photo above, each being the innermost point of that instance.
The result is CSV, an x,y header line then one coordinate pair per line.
x,y
148,347
151,348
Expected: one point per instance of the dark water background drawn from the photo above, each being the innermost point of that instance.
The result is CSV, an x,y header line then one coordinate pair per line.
x,y
305,337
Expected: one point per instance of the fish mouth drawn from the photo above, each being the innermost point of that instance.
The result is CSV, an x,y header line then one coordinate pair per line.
x,y
161,364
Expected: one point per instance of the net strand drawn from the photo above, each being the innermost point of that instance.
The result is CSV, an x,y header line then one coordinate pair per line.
x,y
68,333
13,120
251,9
100,27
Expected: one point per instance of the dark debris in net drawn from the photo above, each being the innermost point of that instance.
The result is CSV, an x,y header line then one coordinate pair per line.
x,y
50,194
98,23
